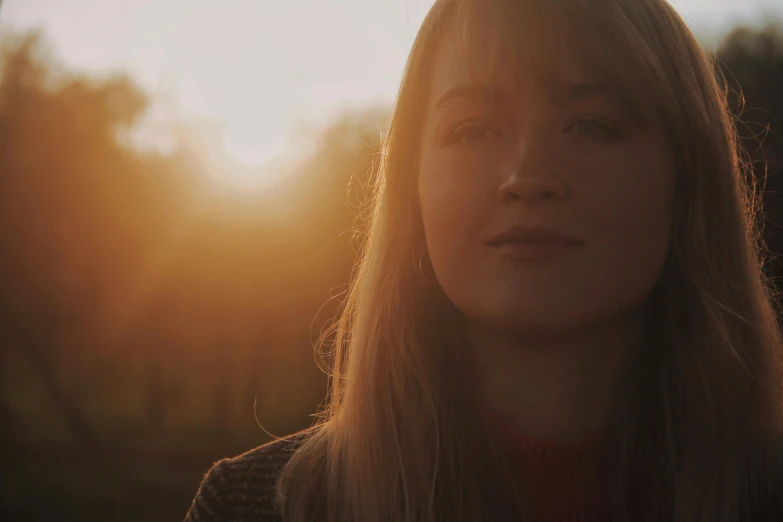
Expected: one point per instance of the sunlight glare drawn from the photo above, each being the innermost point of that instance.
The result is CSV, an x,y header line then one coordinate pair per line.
x,y
248,170
251,154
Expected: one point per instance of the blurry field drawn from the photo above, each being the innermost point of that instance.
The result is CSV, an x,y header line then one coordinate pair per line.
x,y
66,485
136,473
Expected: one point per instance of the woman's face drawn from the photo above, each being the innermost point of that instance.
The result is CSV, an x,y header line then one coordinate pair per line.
x,y
546,205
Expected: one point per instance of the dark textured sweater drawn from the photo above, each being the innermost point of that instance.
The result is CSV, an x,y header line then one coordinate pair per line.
x,y
560,482
242,489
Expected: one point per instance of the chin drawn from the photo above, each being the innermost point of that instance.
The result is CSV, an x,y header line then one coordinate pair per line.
x,y
539,319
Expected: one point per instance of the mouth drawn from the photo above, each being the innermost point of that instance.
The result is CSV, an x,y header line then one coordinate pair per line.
x,y
533,251
533,243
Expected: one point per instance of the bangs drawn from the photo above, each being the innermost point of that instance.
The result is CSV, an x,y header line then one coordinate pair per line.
x,y
540,38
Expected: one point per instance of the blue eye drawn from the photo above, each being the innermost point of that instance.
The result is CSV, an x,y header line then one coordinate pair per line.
x,y
472,132
592,128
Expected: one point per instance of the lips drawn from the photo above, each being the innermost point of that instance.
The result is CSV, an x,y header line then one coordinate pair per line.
x,y
533,236
533,244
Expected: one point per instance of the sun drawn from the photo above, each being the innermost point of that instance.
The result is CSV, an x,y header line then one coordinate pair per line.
x,y
250,154
248,165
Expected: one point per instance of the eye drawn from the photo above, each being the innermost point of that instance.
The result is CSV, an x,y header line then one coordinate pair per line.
x,y
472,132
593,128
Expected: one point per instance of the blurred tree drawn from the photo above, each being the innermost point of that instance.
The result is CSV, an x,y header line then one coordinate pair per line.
x,y
102,242
57,231
751,60
332,188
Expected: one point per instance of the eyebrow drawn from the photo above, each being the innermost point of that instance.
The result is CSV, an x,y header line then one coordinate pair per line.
x,y
565,94
562,93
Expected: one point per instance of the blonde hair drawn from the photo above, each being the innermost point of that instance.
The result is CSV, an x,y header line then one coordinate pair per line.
x,y
403,437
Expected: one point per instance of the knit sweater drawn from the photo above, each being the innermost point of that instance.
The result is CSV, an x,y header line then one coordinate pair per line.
x,y
559,482
563,483
242,489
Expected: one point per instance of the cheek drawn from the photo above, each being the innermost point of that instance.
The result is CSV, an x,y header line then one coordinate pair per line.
x,y
628,211
455,199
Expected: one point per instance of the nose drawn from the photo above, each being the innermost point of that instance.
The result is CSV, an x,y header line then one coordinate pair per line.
x,y
532,175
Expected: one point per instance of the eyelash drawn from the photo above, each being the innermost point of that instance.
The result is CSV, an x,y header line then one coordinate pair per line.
x,y
458,133
609,132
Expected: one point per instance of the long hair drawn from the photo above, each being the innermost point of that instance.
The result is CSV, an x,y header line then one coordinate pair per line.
x,y
403,437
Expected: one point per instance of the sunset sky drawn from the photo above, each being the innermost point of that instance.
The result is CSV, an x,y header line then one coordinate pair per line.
x,y
260,66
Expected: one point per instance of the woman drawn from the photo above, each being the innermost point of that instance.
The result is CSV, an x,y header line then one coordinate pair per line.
x,y
560,312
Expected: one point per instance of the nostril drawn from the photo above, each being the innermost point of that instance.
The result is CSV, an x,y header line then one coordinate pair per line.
x,y
545,195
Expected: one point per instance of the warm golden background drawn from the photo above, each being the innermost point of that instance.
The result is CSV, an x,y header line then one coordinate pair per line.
x,y
180,182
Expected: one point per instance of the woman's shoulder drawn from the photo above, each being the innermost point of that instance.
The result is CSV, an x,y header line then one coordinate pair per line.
x,y
242,488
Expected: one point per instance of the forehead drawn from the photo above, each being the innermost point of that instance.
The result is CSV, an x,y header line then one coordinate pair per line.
x,y
484,49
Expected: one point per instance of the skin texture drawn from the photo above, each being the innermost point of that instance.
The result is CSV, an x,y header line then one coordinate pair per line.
x,y
552,337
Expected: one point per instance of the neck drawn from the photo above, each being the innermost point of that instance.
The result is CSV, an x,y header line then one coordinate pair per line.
x,y
557,388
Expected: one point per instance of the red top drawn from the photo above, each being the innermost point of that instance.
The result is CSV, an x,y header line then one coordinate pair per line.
x,y
559,482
